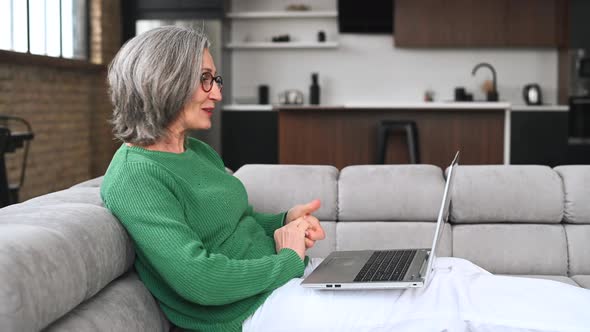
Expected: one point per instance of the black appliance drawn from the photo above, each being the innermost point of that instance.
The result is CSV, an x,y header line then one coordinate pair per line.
x,y
579,108
356,16
579,117
579,130
583,67
532,94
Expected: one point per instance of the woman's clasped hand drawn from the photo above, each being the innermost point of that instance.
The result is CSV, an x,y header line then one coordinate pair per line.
x,y
301,229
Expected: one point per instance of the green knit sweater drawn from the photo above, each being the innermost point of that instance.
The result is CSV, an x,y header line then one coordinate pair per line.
x,y
202,251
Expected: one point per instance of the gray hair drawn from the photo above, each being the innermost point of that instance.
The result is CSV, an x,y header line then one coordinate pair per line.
x,y
150,80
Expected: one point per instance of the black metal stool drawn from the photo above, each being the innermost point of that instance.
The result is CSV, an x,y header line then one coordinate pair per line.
x,y
386,127
10,141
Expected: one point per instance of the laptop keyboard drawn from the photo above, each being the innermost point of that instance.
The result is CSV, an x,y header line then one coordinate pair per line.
x,y
389,265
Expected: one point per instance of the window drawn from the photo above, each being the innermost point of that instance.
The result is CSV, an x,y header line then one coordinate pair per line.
x,y
57,28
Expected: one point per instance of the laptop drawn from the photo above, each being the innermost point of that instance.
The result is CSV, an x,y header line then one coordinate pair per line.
x,y
382,269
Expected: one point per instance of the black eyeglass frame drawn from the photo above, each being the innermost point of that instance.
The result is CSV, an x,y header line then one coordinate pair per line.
x,y
208,77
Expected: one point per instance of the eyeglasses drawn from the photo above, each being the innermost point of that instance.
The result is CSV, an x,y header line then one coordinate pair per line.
x,y
207,81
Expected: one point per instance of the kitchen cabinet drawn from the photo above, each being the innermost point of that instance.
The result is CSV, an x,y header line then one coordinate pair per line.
x,y
441,23
343,136
249,137
579,30
535,23
539,138
479,23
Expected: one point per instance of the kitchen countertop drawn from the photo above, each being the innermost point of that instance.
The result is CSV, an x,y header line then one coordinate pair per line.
x,y
432,105
540,108
247,107
401,105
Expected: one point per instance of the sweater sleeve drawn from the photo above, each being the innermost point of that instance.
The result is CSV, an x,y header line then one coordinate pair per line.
x,y
154,217
269,222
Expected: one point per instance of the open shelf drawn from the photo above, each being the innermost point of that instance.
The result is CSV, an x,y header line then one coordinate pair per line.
x,y
282,14
283,45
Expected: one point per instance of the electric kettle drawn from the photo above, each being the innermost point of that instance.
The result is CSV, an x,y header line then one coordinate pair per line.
x,y
532,94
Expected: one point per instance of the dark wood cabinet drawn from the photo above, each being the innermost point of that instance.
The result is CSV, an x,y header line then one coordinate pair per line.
x,y
479,23
534,23
445,23
348,136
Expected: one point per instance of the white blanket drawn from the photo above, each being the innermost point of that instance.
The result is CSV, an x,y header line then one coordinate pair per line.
x,y
460,297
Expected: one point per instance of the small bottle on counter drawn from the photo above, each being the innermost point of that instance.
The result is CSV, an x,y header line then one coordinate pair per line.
x,y
314,90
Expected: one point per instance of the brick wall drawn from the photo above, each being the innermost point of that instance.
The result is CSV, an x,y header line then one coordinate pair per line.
x,y
105,27
105,42
67,106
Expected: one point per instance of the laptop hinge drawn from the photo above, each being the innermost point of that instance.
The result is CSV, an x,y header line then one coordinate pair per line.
x,y
424,266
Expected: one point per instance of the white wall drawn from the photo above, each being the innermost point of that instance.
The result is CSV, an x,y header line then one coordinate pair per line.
x,y
369,69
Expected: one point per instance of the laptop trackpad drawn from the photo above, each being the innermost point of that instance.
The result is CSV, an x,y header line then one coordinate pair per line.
x,y
344,261
341,267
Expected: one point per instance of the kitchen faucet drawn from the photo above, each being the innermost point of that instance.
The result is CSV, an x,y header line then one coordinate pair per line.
x,y
493,94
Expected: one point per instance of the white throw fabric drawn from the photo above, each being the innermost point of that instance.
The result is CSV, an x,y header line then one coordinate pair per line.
x,y
460,297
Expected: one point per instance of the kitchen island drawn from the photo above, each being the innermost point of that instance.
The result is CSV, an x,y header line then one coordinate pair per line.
x,y
342,135
347,135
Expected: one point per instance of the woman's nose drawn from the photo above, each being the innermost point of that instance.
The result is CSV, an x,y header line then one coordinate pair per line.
x,y
216,93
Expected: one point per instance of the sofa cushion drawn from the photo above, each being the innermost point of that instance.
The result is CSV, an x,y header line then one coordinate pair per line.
x,y
578,242
582,280
324,247
96,182
391,235
276,188
86,195
484,194
54,257
513,249
577,192
123,305
43,277
563,279
390,192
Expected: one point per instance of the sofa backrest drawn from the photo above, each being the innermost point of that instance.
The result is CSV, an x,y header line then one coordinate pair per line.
x,y
390,207
507,219
276,188
59,252
576,186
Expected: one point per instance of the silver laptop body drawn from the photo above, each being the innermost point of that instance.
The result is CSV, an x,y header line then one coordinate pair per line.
x,y
382,269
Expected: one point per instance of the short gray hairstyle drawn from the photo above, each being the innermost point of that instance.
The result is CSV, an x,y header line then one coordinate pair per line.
x,y
150,80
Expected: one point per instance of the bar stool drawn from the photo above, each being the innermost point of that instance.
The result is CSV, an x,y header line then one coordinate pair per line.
x,y
10,141
387,127
5,198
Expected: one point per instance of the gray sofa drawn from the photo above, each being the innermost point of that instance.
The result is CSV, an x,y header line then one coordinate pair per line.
x,y
66,262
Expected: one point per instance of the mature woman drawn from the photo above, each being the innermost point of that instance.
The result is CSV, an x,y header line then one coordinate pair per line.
x,y
214,264
207,256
